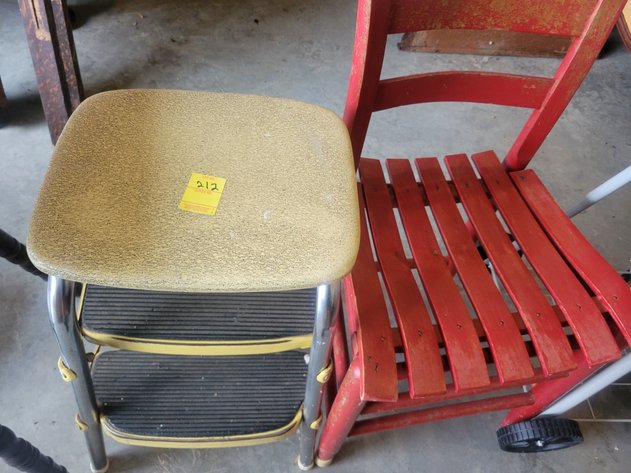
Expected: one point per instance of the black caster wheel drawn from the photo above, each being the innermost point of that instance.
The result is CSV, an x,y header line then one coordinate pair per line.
x,y
539,435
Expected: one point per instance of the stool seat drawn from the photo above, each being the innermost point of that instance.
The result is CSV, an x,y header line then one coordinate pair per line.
x,y
109,210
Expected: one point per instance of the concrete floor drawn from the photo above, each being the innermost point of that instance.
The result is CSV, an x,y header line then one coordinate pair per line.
x,y
302,50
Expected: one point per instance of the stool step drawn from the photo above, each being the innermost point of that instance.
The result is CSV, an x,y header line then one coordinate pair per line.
x,y
199,402
198,324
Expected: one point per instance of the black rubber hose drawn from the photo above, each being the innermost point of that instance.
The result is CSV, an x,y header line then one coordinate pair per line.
x,y
20,454
15,252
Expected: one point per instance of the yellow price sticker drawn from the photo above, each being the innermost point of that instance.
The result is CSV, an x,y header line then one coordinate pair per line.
x,y
202,194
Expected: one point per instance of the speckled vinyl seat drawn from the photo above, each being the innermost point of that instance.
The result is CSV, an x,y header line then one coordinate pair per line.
x,y
210,286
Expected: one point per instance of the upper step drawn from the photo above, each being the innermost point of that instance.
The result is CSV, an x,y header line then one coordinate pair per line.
x,y
198,324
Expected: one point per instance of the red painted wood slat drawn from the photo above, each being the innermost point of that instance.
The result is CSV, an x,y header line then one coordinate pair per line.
x,y
370,35
508,15
609,287
581,313
463,86
374,334
425,369
553,349
433,414
581,55
396,337
466,359
503,335
405,402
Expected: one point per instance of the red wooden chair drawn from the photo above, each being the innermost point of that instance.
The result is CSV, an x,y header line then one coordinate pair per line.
x,y
447,351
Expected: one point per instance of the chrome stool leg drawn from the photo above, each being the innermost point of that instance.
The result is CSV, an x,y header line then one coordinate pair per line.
x,y
61,309
328,303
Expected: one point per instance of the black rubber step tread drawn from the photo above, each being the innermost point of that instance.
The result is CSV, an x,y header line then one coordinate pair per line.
x,y
539,435
195,396
198,317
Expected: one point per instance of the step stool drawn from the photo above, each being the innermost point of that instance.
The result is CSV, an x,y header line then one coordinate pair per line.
x,y
217,310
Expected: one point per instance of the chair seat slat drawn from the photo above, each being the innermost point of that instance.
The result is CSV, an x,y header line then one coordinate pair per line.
x,y
609,287
375,345
553,349
425,369
504,338
587,323
464,351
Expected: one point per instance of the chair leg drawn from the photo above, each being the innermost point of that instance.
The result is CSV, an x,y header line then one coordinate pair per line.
x,y
63,318
547,392
344,411
340,362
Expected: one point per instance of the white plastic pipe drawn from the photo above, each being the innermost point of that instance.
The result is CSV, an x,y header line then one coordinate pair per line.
x,y
608,187
590,387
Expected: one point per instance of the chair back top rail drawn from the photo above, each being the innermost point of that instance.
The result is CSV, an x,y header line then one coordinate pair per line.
x,y
587,22
537,16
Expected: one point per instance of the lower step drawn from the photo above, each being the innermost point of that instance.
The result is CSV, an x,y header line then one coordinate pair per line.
x,y
199,402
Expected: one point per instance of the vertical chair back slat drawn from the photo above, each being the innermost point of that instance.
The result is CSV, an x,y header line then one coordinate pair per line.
x,y
577,62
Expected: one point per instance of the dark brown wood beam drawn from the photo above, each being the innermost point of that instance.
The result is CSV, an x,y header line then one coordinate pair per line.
x,y
50,41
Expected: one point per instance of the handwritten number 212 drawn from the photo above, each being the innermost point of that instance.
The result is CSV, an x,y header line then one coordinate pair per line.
x,y
207,185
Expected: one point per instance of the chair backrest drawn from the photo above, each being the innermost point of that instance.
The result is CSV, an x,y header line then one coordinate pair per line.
x,y
588,22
